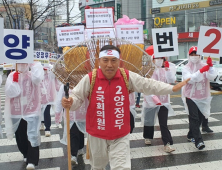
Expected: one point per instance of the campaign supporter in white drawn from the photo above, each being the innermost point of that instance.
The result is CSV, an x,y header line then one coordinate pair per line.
x,y
49,88
159,105
196,94
23,109
133,112
77,124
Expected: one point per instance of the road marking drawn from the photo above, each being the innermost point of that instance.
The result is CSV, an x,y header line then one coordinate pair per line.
x,y
181,148
44,153
52,138
176,122
214,165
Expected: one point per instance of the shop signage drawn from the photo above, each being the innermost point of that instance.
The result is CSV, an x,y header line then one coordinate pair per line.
x,y
168,21
188,37
184,7
188,6
215,2
155,10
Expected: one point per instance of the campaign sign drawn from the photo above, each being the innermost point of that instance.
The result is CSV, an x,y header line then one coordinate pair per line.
x,y
1,35
9,66
165,42
18,46
53,58
133,33
70,36
99,18
100,33
42,57
210,41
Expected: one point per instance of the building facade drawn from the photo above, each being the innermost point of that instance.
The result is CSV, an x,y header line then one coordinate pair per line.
x,y
187,16
94,4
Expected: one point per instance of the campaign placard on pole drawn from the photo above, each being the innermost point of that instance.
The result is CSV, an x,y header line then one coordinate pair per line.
x,y
100,33
70,36
18,46
99,18
9,66
1,35
165,42
42,57
133,33
210,41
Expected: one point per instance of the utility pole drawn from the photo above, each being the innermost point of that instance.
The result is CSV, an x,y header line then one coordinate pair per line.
x,y
67,6
54,31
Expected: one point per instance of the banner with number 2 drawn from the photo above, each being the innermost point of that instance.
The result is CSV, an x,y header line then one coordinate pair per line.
x,y
210,41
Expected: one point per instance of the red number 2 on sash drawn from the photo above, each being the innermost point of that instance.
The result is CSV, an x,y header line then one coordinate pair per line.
x,y
208,49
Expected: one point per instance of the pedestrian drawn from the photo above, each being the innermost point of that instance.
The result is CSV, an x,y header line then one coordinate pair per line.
x,y
138,100
159,105
205,126
23,110
196,93
77,125
133,112
108,113
48,97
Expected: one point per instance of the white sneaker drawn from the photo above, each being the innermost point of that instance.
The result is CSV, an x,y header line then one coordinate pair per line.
x,y
147,141
47,134
74,160
80,152
25,160
42,126
30,166
168,149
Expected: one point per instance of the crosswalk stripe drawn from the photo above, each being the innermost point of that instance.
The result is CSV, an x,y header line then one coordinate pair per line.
x,y
176,132
214,165
180,113
151,151
176,122
52,138
173,106
57,168
44,153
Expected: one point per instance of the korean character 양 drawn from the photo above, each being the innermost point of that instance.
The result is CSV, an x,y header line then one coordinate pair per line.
x,y
100,97
100,106
101,122
119,98
119,110
119,123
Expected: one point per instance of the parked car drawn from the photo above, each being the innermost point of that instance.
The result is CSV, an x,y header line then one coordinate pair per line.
x,y
179,64
217,82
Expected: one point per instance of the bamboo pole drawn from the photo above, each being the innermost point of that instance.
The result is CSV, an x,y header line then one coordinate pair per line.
x,y
66,89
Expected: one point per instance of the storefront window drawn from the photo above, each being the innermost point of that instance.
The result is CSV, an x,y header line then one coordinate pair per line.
x,y
195,19
179,20
109,4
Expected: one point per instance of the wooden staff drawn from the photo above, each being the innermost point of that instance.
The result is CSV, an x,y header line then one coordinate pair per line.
x,y
66,89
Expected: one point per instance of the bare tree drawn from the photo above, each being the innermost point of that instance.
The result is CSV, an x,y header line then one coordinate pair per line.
x,y
31,10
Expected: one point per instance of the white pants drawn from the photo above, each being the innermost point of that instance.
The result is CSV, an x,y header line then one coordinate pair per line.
x,y
102,151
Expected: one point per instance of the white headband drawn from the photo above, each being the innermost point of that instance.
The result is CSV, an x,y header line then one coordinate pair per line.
x,y
109,53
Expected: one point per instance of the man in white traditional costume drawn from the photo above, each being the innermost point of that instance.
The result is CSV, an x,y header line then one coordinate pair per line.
x,y
108,114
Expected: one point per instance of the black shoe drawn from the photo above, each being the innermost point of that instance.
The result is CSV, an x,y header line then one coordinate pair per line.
x,y
191,140
200,146
207,130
